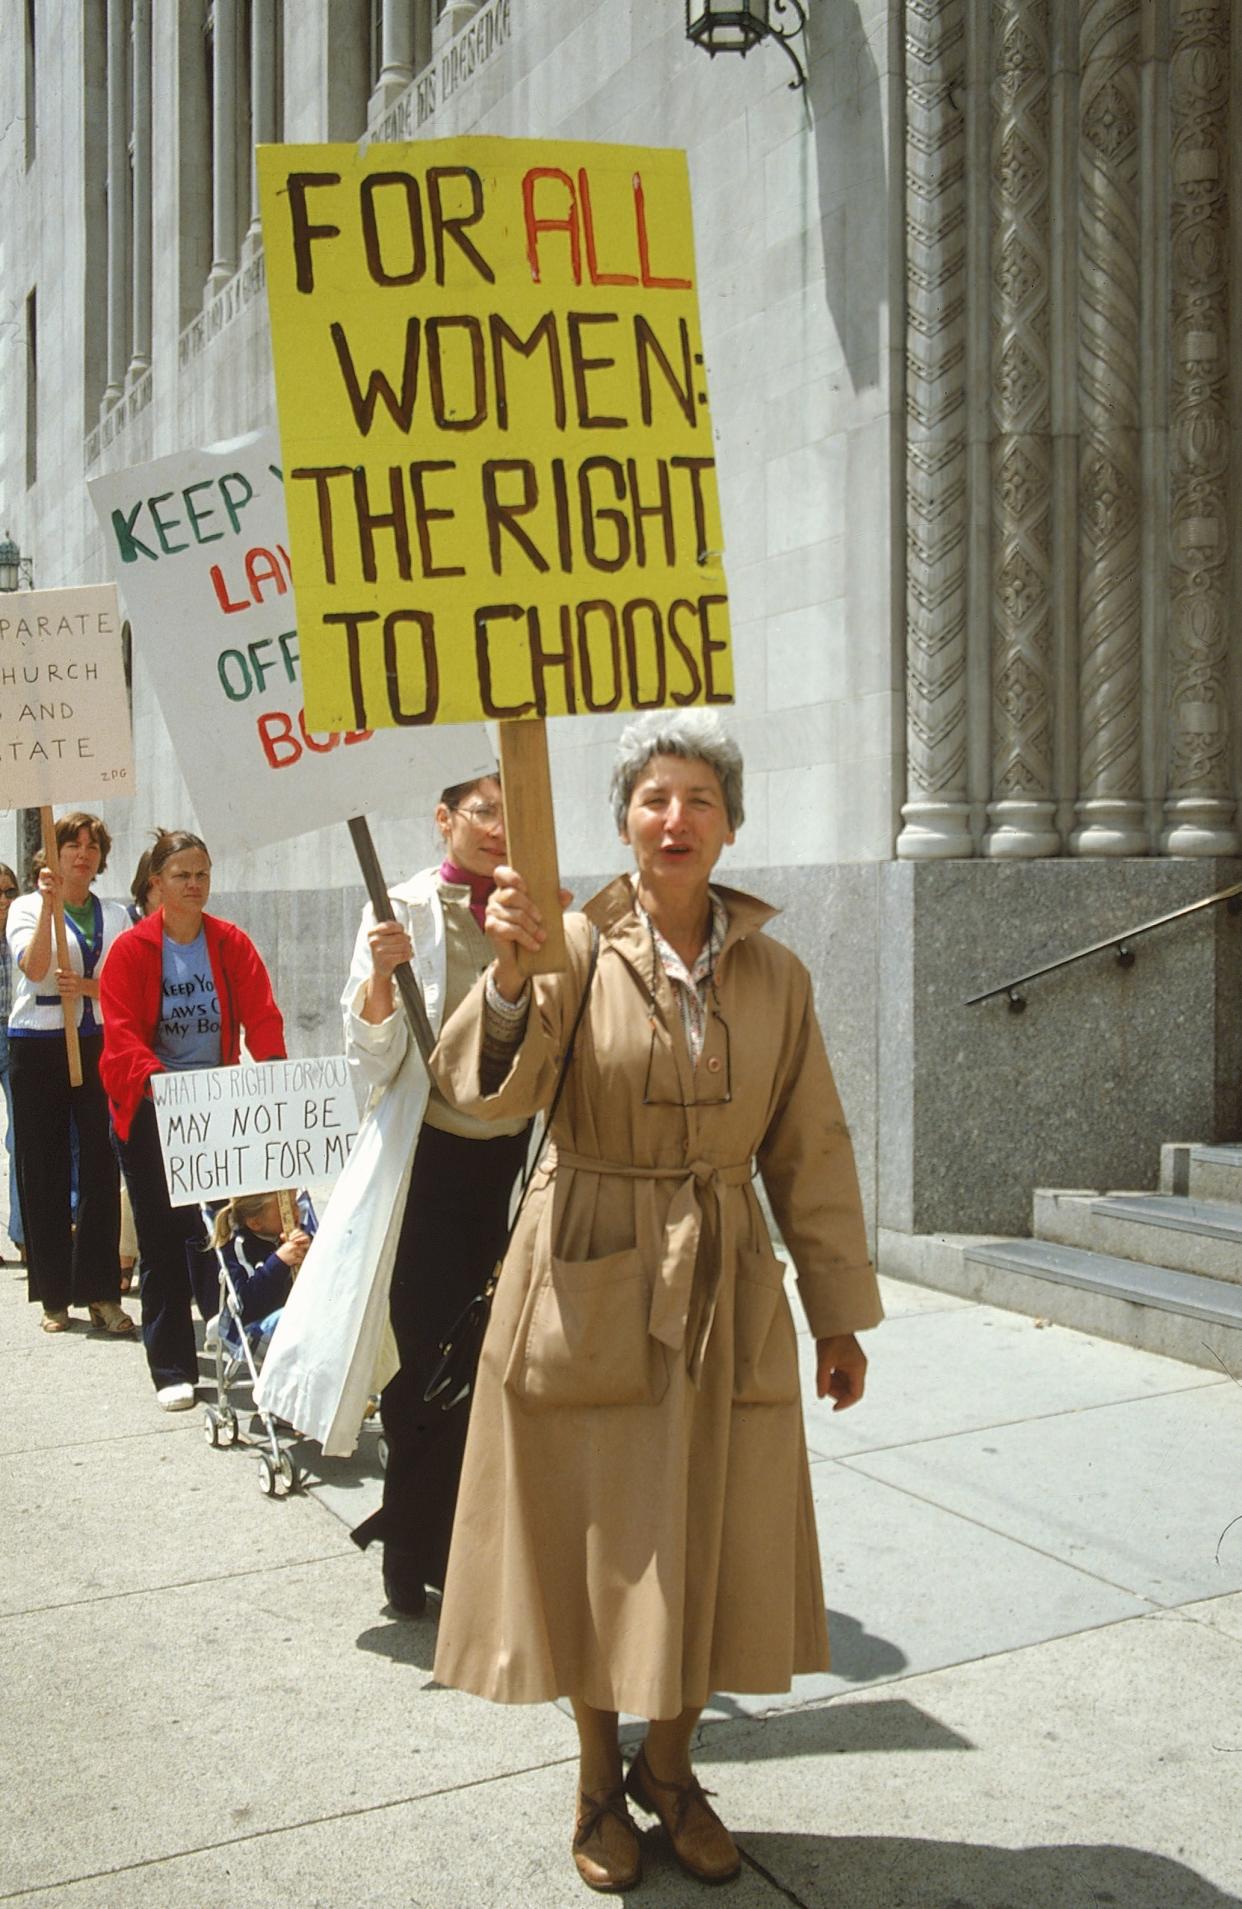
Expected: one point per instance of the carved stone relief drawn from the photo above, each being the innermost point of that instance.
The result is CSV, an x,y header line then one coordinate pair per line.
x,y
1110,685
1021,811
1200,807
936,816
1109,125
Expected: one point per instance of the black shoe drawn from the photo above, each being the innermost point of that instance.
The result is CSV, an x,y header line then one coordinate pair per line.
x,y
403,1584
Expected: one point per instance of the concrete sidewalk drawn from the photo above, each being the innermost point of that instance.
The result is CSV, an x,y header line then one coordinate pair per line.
x,y
1036,1614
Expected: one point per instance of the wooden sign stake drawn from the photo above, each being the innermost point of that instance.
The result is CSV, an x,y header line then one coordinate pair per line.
x,y
530,833
51,855
377,891
288,1211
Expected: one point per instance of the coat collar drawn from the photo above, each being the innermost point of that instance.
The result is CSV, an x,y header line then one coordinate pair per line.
x,y
416,888
614,914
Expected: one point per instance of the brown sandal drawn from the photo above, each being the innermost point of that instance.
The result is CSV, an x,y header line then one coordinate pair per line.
x,y
55,1322
599,1866
108,1317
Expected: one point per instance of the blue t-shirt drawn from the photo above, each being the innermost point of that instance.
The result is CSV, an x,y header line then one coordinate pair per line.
x,y
188,1033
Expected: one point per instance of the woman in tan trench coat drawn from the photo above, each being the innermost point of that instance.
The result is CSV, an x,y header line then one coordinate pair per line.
x,y
635,1527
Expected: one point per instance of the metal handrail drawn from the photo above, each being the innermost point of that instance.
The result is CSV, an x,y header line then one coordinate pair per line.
x,y
1125,954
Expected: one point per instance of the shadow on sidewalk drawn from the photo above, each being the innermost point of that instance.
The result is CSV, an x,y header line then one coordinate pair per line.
x,y
882,1871
840,1728
403,1640
858,1654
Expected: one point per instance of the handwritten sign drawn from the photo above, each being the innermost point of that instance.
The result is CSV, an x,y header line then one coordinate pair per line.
x,y
64,712
498,452
253,1128
200,547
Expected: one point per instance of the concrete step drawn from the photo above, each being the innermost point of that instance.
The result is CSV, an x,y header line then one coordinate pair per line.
x,y
1158,1229
1216,1174
1202,1171
1157,1308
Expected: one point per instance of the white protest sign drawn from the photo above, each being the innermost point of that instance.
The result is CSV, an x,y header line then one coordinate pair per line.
x,y
199,546
64,711
253,1128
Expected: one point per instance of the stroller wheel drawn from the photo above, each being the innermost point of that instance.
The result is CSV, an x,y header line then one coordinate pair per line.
x,y
382,1449
211,1427
230,1427
289,1472
267,1476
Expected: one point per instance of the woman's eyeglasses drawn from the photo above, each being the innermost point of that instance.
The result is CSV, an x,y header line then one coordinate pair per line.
x,y
484,815
9,894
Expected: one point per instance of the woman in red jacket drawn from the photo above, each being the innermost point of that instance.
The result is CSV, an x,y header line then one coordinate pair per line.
x,y
178,990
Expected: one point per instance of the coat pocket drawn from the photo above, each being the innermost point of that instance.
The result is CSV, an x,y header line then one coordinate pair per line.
x,y
765,1345
586,1342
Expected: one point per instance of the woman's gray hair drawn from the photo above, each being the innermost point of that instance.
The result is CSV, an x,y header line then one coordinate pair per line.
x,y
698,735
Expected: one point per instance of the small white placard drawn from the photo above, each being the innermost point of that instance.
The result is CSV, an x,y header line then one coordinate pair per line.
x,y
64,711
254,1128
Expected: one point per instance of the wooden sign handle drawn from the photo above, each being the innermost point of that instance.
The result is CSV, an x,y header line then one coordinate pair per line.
x,y
530,833
288,1211
51,855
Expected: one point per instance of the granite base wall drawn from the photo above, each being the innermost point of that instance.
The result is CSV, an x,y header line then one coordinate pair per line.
x,y
957,1113
979,1105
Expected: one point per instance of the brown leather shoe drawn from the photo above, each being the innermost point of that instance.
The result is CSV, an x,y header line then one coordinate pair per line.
x,y
701,1843
606,1848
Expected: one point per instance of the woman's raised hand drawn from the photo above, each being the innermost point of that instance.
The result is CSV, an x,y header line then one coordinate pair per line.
x,y
390,946
513,922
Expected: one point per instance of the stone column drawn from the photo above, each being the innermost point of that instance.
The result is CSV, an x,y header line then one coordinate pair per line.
x,y
223,144
1200,810
936,817
1023,802
263,96
452,16
1110,807
118,201
397,50
140,352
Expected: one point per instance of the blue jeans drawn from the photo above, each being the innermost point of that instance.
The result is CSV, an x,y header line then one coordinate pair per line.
x,y
16,1230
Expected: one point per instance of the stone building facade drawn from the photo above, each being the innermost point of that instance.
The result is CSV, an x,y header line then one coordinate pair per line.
x,y
966,303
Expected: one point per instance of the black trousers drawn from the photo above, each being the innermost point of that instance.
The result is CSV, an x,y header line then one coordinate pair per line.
x,y
66,1266
176,1262
453,1230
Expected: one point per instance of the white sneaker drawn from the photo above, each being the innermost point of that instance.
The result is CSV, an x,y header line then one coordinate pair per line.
x,y
175,1398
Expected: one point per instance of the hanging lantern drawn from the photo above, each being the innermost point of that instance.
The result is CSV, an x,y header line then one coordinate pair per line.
x,y
734,26
14,568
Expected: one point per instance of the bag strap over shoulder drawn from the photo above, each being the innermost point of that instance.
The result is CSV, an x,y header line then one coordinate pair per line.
x,y
555,1101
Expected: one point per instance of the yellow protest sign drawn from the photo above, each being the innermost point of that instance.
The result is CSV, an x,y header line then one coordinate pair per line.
x,y
498,456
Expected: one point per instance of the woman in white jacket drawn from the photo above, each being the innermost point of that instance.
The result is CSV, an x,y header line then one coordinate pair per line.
x,y
419,1215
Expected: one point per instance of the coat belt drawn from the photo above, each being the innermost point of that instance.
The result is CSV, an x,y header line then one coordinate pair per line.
x,y
696,1205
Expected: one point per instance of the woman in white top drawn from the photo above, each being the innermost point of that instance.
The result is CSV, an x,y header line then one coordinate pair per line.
x,y
66,1265
417,1219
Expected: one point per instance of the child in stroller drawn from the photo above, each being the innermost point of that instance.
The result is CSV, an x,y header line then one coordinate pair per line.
x,y
258,1261
251,1244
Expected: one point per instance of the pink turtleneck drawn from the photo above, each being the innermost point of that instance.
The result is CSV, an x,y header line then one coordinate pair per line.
x,y
480,886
